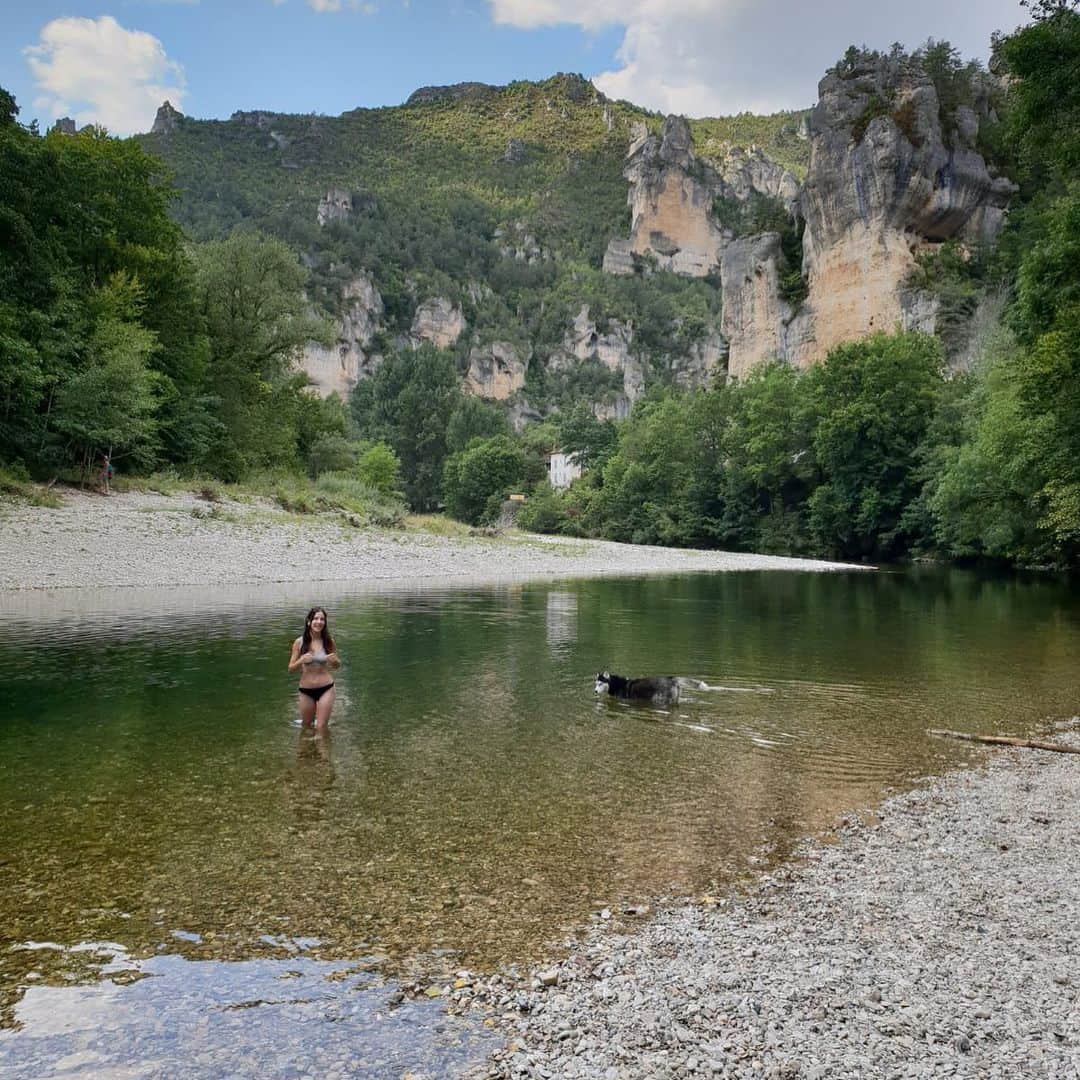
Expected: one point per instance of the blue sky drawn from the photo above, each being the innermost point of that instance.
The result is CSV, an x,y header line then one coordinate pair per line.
x,y
114,62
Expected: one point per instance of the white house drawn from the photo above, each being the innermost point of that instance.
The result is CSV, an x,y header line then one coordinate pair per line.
x,y
562,469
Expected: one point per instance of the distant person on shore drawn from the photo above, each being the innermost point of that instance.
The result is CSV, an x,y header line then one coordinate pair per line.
x,y
108,471
314,655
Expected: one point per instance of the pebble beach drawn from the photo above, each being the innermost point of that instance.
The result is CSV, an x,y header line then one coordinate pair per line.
x,y
936,938
139,539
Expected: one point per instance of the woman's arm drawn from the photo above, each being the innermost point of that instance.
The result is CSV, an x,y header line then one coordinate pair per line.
x,y
333,659
296,660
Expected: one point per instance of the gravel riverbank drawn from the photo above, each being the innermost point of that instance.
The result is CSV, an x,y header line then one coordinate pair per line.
x,y
937,940
136,539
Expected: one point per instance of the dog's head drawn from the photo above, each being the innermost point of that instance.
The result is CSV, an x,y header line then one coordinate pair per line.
x,y
603,682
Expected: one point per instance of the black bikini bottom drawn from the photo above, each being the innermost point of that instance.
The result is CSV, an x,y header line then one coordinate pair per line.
x,y
316,692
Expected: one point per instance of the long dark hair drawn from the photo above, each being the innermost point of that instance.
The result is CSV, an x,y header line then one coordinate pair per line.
x,y
327,640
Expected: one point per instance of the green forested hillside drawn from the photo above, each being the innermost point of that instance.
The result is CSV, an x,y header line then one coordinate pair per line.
x,y
437,152
433,182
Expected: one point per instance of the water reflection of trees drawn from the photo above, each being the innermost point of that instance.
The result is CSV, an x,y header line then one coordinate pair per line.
x,y
561,623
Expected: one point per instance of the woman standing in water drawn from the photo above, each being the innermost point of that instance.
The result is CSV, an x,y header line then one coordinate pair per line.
x,y
313,655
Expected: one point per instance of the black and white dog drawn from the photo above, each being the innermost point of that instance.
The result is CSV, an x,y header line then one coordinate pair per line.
x,y
659,689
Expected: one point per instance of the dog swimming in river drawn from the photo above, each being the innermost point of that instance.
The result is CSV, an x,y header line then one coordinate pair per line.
x,y
658,689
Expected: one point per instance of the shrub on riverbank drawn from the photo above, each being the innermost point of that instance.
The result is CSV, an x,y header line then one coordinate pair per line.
x,y
16,484
333,493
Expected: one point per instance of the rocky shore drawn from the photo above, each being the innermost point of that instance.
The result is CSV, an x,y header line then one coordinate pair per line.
x,y
936,940
136,539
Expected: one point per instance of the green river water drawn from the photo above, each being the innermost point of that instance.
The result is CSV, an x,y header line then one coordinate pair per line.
x,y
473,802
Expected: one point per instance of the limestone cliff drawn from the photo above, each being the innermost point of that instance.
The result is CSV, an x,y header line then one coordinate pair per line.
x,y
890,175
748,171
671,199
702,363
335,369
756,322
496,371
438,322
893,172
515,241
167,119
584,345
670,203
492,251
335,205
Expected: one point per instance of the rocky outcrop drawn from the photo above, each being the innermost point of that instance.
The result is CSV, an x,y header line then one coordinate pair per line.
x,y
438,322
478,291
515,241
585,342
495,371
335,369
756,322
263,121
671,200
167,119
335,205
521,414
703,363
620,258
258,118
889,176
613,349
748,171
431,95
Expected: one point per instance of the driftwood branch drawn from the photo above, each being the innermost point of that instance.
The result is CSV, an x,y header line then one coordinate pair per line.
x,y
1007,740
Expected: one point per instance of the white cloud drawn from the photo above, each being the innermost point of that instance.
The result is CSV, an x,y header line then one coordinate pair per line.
x,y
100,73
713,57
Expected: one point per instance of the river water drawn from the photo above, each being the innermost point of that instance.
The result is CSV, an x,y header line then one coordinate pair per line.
x,y
171,843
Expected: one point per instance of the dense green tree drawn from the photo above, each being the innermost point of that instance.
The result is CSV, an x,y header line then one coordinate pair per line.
x,y
474,419
251,294
76,214
871,404
379,468
755,467
332,453
407,404
317,418
646,496
478,478
1011,488
584,435
1048,279
8,109
108,405
1043,120
537,441
985,500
